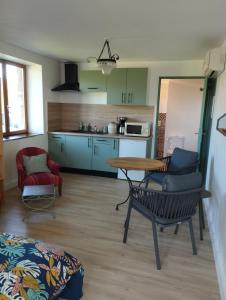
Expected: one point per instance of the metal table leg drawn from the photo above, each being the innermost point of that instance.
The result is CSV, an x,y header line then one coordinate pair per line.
x,y
144,180
130,184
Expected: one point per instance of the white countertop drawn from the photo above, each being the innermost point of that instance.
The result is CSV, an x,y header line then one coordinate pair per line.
x,y
114,136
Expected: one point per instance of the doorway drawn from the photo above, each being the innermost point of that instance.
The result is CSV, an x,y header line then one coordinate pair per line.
x,y
179,114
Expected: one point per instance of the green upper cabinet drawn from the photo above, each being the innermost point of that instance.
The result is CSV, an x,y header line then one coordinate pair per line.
x,y
92,81
116,87
136,86
127,86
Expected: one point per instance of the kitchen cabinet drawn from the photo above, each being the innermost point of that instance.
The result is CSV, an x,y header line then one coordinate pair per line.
x,y
92,81
104,149
116,87
57,148
127,86
78,152
136,86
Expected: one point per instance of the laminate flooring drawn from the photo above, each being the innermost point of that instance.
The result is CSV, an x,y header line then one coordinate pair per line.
x,y
87,225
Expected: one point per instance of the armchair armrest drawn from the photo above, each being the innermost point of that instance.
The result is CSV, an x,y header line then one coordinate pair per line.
x,y
53,166
20,167
166,160
21,174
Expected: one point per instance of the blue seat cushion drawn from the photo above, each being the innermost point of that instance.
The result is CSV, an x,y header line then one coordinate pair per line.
x,y
182,159
157,177
179,183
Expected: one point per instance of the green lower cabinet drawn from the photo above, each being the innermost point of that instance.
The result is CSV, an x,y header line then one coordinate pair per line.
x,y
104,149
57,148
83,152
79,152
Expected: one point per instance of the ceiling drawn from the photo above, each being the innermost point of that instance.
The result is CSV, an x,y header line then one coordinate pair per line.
x,y
138,30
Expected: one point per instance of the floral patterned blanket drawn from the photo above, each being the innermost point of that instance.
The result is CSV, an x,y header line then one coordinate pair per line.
x,y
31,269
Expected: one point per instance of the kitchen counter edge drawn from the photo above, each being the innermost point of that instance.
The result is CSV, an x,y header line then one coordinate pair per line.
x,y
114,136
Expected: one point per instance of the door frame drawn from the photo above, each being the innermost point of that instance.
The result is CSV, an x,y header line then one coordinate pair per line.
x,y
158,104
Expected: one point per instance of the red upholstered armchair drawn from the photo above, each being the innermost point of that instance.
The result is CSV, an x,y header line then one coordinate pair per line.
x,y
37,178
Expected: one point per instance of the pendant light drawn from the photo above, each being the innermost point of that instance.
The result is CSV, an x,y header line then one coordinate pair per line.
x,y
109,63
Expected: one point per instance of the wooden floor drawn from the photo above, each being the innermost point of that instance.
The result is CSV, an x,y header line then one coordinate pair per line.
x,y
88,226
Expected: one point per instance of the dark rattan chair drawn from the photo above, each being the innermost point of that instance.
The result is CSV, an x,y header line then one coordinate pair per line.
x,y
181,162
165,209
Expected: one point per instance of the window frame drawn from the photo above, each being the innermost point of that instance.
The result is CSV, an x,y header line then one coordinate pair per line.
x,y
7,132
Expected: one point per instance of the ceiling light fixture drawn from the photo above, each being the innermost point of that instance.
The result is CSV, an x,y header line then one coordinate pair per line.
x,y
107,64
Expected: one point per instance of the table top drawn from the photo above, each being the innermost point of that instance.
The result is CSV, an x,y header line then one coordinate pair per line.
x,y
136,163
38,190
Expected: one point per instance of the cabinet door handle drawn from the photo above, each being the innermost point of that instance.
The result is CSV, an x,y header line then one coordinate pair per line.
x,y
61,147
88,142
102,140
125,97
93,88
94,150
129,97
56,137
114,144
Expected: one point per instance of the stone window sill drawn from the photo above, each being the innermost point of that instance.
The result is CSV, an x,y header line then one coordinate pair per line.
x,y
20,136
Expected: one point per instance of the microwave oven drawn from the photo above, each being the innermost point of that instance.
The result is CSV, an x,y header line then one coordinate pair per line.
x,y
137,129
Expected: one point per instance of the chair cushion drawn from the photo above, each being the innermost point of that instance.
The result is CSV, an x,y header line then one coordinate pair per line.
x,y
157,177
179,183
42,179
35,164
182,159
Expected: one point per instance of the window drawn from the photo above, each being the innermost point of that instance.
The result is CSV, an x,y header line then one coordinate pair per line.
x,y
13,98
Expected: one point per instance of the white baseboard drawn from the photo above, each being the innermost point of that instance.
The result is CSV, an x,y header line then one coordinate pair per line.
x,y
221,272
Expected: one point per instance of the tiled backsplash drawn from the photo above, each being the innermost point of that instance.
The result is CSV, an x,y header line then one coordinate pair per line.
x,y
68,115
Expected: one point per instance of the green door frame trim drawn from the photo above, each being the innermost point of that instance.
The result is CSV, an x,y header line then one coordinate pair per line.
x,y
158,101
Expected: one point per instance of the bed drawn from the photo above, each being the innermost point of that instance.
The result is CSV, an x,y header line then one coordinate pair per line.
x,y
31,269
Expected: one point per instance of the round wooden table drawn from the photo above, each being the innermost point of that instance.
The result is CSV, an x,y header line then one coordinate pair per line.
x,y
136,164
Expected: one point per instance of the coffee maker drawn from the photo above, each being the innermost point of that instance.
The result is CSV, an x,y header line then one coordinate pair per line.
x,y
121,124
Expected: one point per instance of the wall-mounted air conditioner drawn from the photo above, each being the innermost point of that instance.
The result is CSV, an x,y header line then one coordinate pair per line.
x,y
214,62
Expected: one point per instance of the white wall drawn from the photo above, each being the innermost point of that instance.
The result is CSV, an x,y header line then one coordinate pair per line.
x,y
35,107
216,206
183,113
50,77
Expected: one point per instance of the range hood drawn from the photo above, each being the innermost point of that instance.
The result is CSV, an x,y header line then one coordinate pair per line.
x,y
71,79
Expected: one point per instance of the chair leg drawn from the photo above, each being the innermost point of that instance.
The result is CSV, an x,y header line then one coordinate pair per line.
x,y
161,229
155,237
194,249
127,224
176,229
200,221
202,213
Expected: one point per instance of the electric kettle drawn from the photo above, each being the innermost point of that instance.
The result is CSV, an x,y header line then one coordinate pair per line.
x,y
112,128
